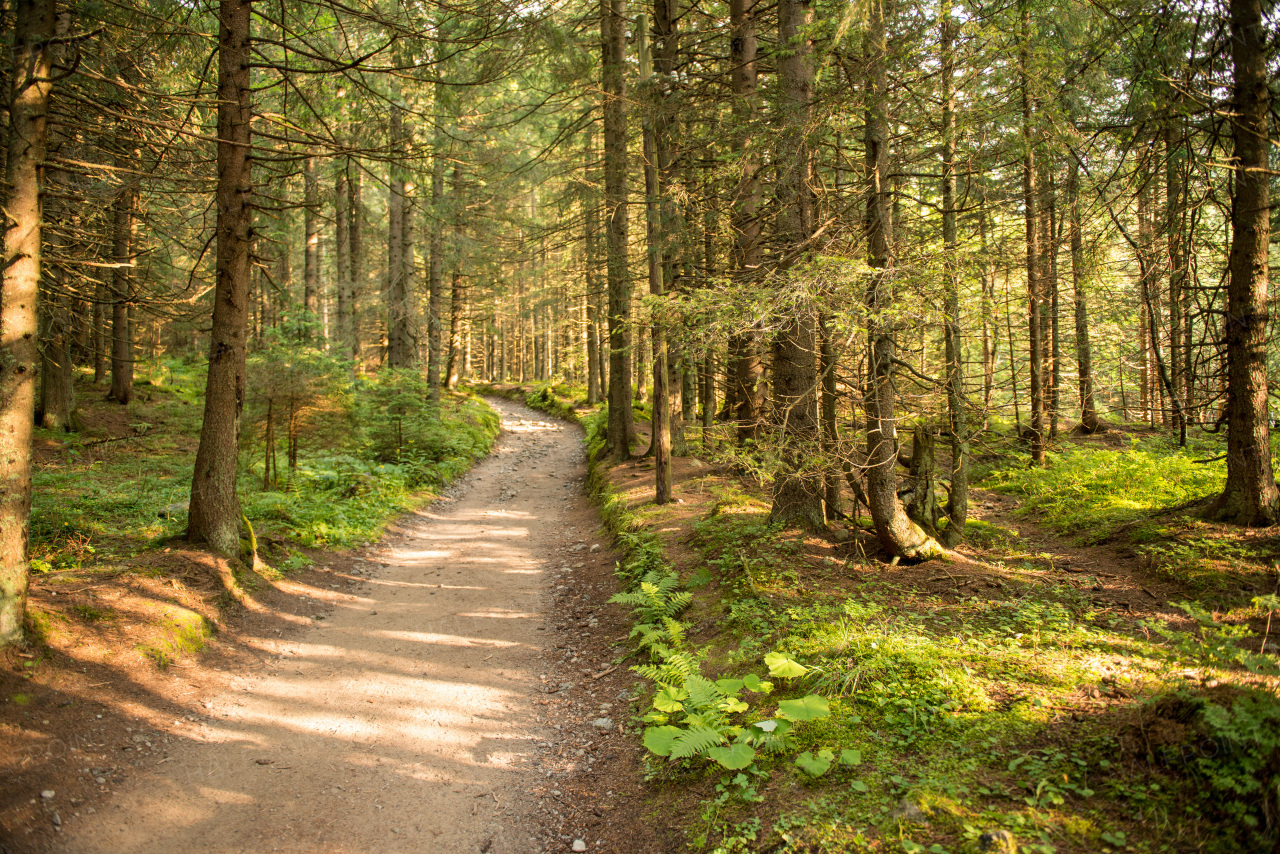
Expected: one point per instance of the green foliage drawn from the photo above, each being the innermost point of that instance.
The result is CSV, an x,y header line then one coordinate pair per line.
x,y
370,446
1096,490
1234,754
657,597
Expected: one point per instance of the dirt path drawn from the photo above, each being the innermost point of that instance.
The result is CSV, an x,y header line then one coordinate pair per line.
x,y
402,722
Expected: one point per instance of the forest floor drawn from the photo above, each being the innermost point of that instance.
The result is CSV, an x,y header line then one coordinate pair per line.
x,y
465,685
430,693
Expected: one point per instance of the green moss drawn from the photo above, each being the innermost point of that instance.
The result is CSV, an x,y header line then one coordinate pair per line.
x,y
183,633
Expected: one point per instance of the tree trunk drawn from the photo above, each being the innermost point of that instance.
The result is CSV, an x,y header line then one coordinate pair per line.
x,y
660,421
400,344
311,246
798,485
898,534
1250,496
591,251
342,262
57,404
746,367
621,429
830,440
1031,203
19,289
1088,409
1174,218
435,269
124,233
99,333
215,507
958,498
356,257
396,357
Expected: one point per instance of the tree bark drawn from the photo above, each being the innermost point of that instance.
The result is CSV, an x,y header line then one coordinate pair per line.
x,y
19,290
123,235
311,246
343,332
99,333
798,485
356,257
1250,496
621,428
1079,276
400,345
958,498
897,533
215,514
457,295
746,366
591,248
660,421
435,252
1031,204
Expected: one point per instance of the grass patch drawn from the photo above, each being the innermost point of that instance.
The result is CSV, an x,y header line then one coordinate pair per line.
x,y
1092,491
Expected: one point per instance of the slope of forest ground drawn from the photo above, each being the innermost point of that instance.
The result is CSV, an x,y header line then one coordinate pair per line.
x,y
127,625
1090,672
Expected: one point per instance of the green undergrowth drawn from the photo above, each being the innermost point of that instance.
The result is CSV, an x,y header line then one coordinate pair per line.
x,y
1090,490
366,449
1146,494
878,716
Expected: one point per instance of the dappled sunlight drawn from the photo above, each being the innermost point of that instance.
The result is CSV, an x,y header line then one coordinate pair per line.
x,y
410,698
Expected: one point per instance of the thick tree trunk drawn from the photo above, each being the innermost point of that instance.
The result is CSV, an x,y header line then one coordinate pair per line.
x,y
898,534
798,485
1089,422
19,289
1250,496
621,428
215,507
124,234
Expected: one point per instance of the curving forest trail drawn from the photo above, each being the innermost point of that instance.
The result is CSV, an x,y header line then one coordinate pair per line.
x,y
404,720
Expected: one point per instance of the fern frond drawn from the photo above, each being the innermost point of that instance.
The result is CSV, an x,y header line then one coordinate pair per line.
x,y
695,741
